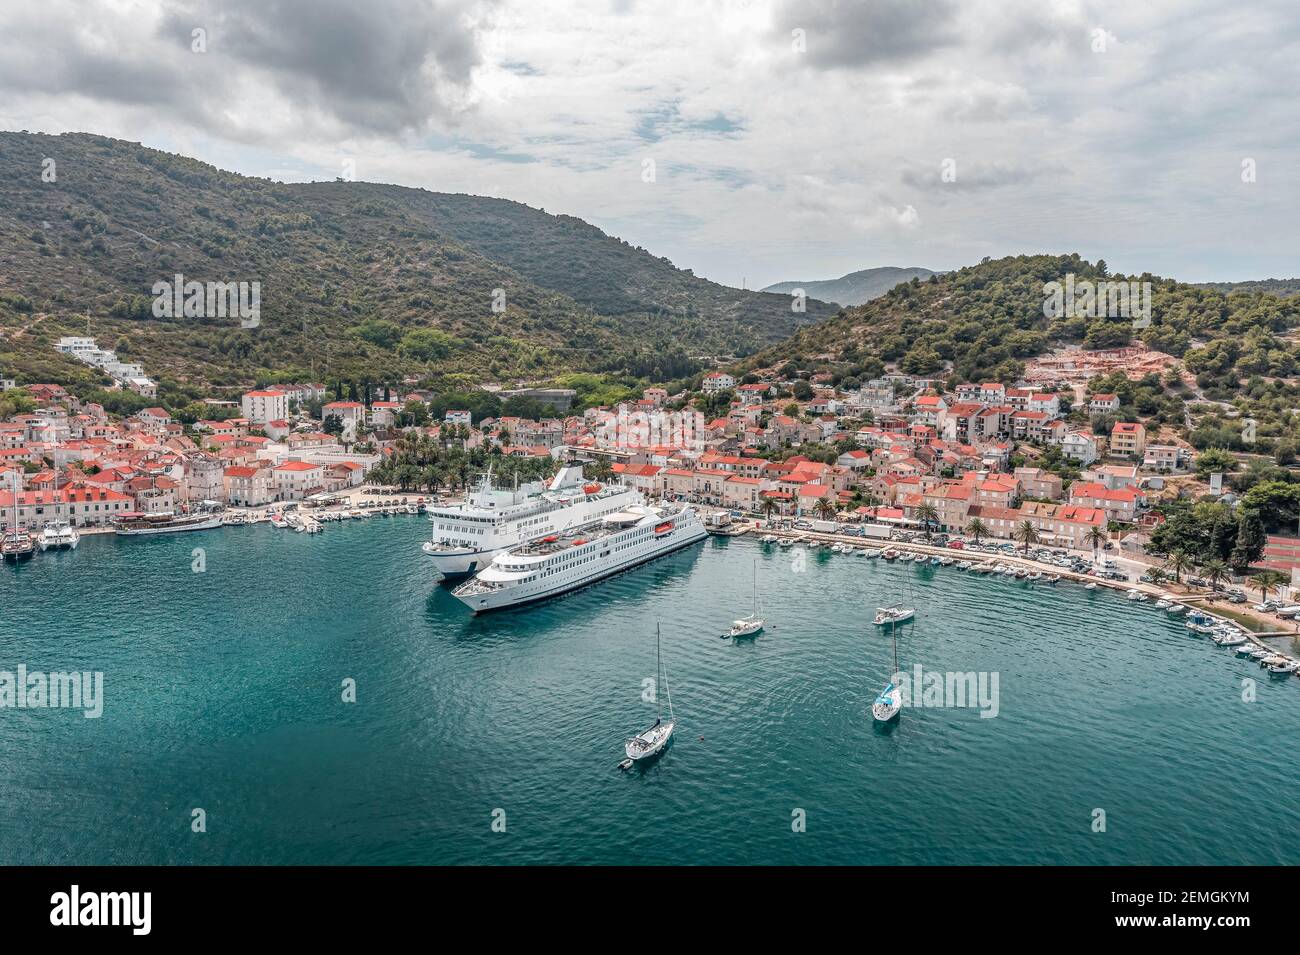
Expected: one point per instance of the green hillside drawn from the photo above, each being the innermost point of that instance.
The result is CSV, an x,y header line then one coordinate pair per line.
x,y
357,280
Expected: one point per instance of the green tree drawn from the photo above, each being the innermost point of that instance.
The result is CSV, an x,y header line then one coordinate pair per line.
x,y
977,529
1251,539
1026,533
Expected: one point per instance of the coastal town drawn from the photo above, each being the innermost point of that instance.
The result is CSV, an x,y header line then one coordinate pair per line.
x,y
1017,463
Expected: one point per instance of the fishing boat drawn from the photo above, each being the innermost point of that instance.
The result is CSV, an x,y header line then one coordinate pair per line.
x,y
1228,637
752,624
1246,649
768,538
889,554
1199,624
1090,585
786,542
1136,596
891,616
651,742
889,703
1035,577
1176,609
58,535
1052,578
1260,653
1164,604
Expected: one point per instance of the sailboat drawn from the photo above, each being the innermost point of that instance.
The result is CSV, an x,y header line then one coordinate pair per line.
x,y
890,701
651,742
752,624
17,544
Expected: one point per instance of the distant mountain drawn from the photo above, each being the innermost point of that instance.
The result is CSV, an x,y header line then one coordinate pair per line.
x,y
854,288
358,280
1282,288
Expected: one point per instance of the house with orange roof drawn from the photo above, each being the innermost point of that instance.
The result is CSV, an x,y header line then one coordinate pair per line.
x,y
248,486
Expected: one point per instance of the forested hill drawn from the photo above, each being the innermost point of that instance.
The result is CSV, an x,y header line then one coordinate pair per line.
x,y
357,280
983,321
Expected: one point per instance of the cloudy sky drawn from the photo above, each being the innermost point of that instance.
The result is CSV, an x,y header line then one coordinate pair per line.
x,y
790,139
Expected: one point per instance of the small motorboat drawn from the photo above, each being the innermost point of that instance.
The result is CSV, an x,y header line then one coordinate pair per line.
x,y
1246,649
1279,665
1090,585
1052,578
1035,577
1176,608
1164,604
1261,653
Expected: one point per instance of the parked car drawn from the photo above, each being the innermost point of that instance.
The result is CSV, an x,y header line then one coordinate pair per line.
x,y
956,545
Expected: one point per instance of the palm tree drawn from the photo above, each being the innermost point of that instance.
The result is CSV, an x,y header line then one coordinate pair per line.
x,y
1096,539
1270,580
977,529
1157,576
926,514
1215,572
768,507
1179,563
1026,533
824,509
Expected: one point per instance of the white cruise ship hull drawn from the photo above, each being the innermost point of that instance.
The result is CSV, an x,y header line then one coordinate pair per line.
x,y
605,563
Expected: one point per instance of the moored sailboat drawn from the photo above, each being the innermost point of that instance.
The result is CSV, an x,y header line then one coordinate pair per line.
x,y
651,742
752,624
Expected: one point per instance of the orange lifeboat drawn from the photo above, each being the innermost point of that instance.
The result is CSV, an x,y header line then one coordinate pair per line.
x,y
664,528
590,488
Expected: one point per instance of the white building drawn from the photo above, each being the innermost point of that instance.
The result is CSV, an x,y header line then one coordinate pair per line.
x,y
718,381
259,407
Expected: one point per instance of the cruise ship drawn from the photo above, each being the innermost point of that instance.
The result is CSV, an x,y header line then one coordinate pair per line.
x,y
467,536
558,563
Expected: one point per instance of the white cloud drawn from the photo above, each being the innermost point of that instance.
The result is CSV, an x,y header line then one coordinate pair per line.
x,y
771,163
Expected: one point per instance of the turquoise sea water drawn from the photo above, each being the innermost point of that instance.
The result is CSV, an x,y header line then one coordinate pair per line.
x,y
223,692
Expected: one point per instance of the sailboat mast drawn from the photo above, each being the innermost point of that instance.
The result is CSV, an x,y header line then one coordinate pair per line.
x,y
658,667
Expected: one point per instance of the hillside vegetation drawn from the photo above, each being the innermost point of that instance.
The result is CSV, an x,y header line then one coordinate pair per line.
x,y
358,280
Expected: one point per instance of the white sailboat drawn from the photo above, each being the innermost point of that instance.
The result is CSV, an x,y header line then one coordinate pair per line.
x,y
888,616
651,742
752,624
889,703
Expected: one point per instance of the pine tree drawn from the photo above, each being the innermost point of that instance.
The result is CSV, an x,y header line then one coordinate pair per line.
x,y
1250,540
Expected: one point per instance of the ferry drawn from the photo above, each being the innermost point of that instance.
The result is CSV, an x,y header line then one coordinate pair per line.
x,y
138,524
467,536
558,563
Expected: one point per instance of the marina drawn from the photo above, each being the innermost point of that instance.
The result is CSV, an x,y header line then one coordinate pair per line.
x,y
449,703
